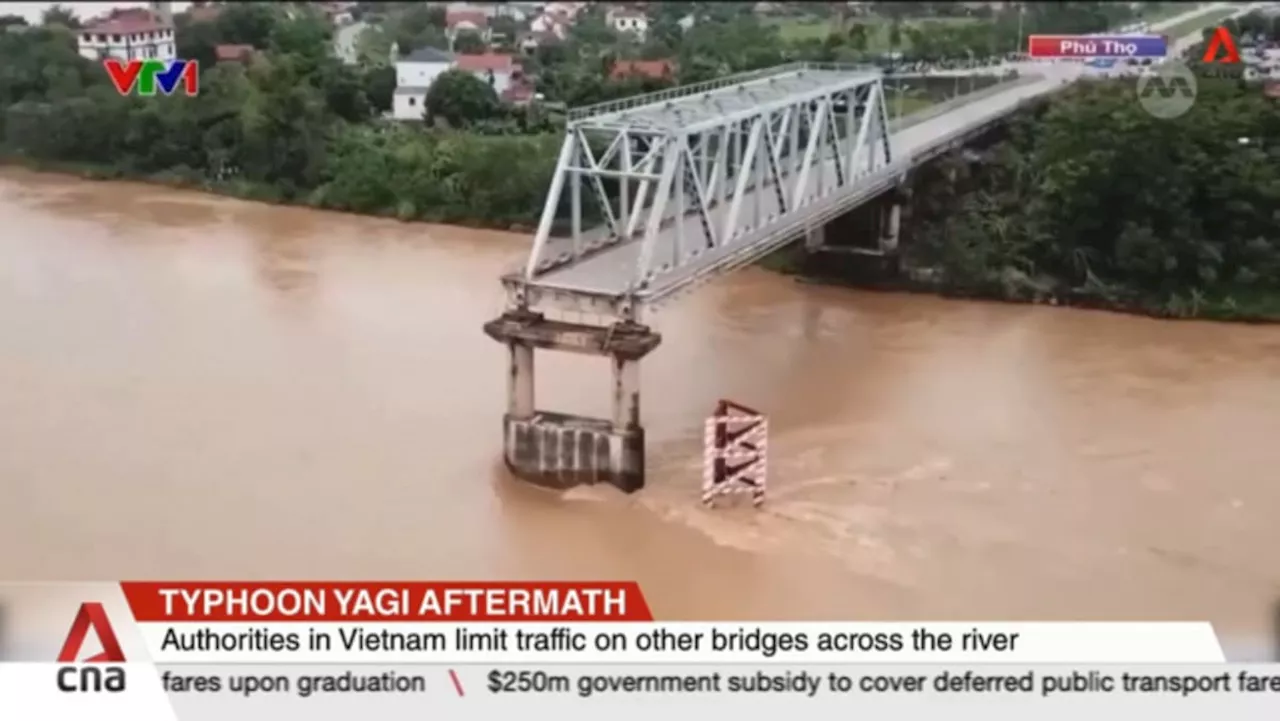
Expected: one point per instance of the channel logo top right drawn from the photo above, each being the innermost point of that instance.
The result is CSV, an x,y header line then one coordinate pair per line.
x,y
1223,43
1168,90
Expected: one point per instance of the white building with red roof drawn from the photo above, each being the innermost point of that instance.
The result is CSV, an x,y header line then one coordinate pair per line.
x,y
500,70
130,34
418,71
628,20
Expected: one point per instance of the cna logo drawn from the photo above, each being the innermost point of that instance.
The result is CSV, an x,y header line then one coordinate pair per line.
x,y
91,615
91,678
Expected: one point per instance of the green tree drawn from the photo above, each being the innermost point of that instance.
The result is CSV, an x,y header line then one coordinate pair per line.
x,y
197,39
469,43
307,36
249,23
379,86
461,99
858,37
373,46
60,15
417,26
345,90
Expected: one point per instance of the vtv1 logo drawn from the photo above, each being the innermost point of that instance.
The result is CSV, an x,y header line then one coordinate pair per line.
x,y
1221,40
145,77
86,676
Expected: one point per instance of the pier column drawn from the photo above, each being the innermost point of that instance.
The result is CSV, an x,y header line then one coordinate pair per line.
x,y
520,381
560,450
891,222
626,394
815,238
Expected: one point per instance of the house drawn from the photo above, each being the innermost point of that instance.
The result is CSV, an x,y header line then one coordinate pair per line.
x,y
628,20
233,53
466,20
338,13
566,10
513,11
499,70
414,75
519,92
530,41
556,24
130,34
652,69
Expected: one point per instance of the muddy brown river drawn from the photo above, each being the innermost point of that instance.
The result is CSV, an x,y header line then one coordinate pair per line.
x,y
199,387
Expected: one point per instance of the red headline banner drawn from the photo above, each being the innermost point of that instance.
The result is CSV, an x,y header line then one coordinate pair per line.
x,y
386,601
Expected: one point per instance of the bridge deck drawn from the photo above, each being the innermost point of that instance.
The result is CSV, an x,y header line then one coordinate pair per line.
x,y
611,270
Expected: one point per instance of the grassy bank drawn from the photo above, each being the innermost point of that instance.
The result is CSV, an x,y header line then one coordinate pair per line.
x,y
242,190
810,28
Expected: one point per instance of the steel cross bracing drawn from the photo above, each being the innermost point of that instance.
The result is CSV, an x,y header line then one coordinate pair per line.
x,y
698,173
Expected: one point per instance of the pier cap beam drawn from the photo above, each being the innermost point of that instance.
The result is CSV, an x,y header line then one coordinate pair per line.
x,y
624,341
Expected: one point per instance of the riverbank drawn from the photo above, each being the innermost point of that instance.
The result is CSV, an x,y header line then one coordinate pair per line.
x,y
1008,287
242,190
1248,306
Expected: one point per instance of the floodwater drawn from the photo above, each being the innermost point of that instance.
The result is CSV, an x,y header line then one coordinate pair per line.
x,y
199,387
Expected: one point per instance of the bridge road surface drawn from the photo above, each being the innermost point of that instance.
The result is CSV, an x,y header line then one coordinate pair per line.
x,y
611,271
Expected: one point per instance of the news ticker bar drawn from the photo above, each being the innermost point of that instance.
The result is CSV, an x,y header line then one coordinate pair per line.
x,y
1085,46
196,692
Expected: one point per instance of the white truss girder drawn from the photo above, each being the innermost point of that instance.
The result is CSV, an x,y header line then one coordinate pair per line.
x,y
696,170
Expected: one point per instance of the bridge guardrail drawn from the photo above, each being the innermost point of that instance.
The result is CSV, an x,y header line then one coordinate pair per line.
x,y
682,91
947,106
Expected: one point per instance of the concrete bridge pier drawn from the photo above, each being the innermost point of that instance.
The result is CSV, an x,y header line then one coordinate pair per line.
x,y
562,450
815,239
890,226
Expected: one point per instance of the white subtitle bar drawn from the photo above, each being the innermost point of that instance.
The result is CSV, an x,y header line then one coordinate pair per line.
x,y
409,642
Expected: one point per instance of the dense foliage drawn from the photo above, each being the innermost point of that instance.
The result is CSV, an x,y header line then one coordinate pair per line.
x,y
1093,200
292,124
1096,201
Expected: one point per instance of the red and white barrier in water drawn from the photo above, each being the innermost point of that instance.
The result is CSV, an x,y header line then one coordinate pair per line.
x,y
735,455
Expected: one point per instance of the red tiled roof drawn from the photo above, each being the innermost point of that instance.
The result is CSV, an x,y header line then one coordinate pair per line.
x,y
642,68
474,17
124,22
518,92
233,52
488,61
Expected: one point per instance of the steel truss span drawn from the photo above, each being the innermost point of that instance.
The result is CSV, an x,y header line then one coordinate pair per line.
x,y
667,187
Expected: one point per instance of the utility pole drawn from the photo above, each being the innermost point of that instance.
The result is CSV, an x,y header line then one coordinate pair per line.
x,y
1021,7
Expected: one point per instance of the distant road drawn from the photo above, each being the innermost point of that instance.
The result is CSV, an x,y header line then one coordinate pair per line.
x,y
1034,66
344,41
